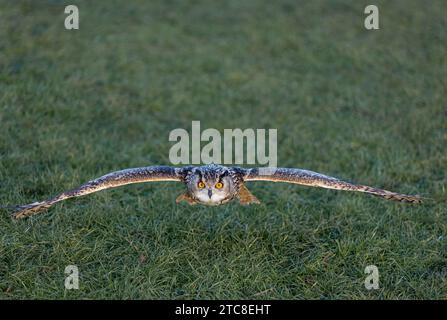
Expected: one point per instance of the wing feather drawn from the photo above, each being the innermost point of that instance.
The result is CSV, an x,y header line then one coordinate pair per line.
x,y
315,179
111,180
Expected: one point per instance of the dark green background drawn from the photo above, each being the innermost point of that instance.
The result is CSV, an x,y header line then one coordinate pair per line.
x,y
368,106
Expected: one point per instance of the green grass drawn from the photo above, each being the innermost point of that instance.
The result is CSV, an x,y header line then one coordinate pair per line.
x,y
368,106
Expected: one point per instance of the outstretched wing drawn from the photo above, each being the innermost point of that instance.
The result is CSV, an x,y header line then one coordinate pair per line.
x,y
310,178
111,180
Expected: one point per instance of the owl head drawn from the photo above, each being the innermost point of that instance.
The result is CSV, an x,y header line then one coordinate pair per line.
x,y
212,185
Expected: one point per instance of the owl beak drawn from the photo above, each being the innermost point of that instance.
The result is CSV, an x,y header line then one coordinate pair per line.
x,y
210,193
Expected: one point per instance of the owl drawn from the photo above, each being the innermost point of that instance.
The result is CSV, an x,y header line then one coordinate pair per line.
x,y
211,184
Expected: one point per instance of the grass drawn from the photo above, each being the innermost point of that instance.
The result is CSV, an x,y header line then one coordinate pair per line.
x,y
367,106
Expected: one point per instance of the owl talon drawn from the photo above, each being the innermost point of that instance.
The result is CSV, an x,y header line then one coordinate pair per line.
x,y
246,197
187,198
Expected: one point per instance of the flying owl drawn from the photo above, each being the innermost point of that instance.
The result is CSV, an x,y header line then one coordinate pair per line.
x,y
210,184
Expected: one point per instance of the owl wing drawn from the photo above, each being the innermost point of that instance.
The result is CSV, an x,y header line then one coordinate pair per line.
x,y
310,178
111,180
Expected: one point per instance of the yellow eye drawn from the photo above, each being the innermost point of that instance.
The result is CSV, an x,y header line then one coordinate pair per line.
x,y
201,185
219,185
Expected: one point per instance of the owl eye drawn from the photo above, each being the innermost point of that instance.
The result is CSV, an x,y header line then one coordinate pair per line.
x,y
219,185
201,185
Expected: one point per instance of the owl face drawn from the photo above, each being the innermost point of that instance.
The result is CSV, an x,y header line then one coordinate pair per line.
x,y
211,187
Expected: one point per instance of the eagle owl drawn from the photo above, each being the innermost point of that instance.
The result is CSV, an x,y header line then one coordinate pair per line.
x,y
210,184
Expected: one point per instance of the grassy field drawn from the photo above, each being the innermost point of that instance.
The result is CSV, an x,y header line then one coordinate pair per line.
x,y
367,106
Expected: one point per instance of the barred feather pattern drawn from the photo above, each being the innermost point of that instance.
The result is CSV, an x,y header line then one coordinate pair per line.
x,y
187,175
112,180
315,179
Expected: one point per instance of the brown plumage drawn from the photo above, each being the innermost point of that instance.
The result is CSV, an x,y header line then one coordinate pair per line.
x,y
210,184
